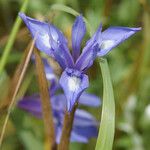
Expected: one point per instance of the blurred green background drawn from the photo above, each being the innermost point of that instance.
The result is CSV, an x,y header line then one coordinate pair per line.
x,y
129,66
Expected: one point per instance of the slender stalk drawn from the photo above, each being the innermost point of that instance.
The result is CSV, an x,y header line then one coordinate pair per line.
x,y
45,100
11,39
66,131
19,81
107,126
7,99
25,84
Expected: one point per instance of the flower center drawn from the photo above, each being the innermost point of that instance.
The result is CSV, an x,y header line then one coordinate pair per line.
x,y
107,44
73,83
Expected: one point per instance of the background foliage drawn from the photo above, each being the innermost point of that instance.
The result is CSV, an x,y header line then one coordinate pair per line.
x,y
129,67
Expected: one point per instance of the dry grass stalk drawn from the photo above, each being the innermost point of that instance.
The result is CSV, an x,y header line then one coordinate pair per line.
x,y
45,101
18,80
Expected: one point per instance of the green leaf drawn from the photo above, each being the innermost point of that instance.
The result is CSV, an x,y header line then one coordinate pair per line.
x,y
107,125
64,8
11,38
4,84
30,141
71,11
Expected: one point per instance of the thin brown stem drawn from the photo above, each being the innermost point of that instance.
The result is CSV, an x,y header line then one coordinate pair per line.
x,y
66,131
45,100
5,102
16,89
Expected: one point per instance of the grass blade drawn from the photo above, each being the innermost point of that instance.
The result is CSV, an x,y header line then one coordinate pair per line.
x,y
11,39
71,11
64,8
107,125
5,102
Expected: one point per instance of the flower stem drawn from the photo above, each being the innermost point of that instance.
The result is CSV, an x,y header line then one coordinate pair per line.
x,y
107,126
66,131
45,100
11,39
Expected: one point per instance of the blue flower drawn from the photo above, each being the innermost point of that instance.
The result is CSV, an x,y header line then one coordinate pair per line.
x,y
52,41
85,99
85,125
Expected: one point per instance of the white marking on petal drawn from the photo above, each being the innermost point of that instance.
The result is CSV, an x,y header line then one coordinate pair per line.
x,y
55,37
73,83
54,34
42,34
45,38
107,44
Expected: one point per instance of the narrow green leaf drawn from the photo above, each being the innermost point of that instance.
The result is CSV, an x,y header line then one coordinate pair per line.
x,y
107,125
30,141
4,84
64,8
11,39
71,11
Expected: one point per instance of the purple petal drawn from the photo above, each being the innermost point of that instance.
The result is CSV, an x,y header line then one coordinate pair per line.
x,y
85,99
57,35
87,58
44,31
62,55
50,75
113,36
89,52
41,31
73,83
78,138
78,32
54,88
96,38
32,105
85,124
89,100
84,119
49,71
60,49
49,40
88,132
58,134
58,102
74,136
